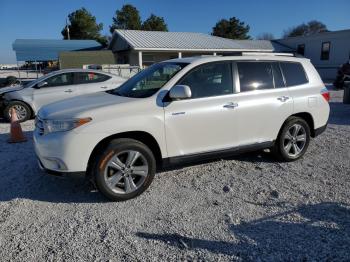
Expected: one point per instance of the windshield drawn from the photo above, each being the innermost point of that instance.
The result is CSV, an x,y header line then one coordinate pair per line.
x,y
149,81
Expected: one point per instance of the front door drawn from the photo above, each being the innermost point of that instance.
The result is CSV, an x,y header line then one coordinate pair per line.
x,y
205,122
58,87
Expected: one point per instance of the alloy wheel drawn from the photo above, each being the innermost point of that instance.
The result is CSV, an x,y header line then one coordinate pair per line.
x,y
126,171
20,111
294,140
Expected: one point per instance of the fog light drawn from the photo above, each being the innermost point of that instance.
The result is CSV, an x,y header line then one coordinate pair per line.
x,y
55,163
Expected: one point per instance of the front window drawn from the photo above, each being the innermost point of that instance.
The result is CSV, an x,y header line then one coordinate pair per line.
x,y
149,81
60,80
212,79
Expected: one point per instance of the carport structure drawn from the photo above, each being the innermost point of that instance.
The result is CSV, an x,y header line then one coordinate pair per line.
x,y
143,48
44,50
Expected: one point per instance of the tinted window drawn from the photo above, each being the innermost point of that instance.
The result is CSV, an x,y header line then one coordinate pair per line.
x,y
213,79
60,80
255,75
277,75
326,46
90,77
294,73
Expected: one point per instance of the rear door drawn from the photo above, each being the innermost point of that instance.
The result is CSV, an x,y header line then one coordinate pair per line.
x,y
59,87
92,82
263,101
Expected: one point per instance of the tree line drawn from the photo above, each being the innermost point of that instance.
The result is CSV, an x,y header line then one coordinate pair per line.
x,y
83,25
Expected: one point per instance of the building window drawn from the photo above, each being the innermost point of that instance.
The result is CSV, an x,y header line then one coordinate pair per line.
x,y
301,49
326,46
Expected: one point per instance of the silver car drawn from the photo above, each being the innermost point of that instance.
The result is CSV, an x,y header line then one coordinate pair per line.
x,y
53,87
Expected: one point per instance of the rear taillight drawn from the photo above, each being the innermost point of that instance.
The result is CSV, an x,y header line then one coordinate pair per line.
x,y
325,94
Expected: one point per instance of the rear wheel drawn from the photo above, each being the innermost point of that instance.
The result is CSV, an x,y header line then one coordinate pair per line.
x,y
293,140
124,170
22,109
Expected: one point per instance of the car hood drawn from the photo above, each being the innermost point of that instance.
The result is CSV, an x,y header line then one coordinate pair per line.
x,y
10,89
82,106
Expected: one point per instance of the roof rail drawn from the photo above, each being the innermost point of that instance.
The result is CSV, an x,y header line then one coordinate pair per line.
x,y
265,53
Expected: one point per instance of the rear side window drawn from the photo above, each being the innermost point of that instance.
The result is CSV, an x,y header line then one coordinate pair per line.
x,y
255,75
90,77
294,73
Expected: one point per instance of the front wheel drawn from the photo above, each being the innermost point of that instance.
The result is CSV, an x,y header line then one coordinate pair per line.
x,y
124,170
293,140
23,111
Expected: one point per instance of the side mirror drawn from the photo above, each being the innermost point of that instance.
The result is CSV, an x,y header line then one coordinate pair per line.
x,y
41,84
180,92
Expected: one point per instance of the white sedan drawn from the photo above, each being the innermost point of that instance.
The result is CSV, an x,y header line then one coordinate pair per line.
x,y
53,87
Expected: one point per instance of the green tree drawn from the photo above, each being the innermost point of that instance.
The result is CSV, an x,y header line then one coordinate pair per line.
x,y
83,26
126,18
232,28
154,23
311,28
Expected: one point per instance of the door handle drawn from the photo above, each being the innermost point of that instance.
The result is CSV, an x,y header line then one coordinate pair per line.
x,y
230,105
104,87
68,91
283,98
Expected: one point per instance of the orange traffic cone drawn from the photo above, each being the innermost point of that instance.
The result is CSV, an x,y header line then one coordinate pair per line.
x,y
16,134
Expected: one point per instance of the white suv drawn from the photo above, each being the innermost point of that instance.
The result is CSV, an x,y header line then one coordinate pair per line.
x,y
183,110
53,87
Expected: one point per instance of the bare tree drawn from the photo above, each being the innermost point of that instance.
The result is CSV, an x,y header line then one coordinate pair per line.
x,y
265,36
311,28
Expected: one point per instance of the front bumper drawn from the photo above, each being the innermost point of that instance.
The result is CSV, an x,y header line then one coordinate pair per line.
x,y
60,173
64,152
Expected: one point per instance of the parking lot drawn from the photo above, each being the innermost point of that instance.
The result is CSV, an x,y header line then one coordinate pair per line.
x,y
247,207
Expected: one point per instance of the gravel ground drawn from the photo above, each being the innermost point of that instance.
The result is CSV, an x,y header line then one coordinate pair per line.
x,y
248,207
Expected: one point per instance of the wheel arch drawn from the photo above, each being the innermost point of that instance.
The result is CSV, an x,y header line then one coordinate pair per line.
x,y
142,136
309,120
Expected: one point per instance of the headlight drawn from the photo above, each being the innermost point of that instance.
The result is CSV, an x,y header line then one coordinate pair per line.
x,y
51,126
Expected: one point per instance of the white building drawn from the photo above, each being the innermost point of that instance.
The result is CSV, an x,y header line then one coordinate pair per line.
x,y
142,48
327,51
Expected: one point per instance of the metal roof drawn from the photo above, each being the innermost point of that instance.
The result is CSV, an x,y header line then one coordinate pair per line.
x,y
49,49
184,41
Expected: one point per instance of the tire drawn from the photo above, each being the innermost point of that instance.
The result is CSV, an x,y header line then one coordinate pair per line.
x,y
23,111
118,178
289,145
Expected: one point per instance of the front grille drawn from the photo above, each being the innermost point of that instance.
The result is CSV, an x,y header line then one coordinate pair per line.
x,y
39,124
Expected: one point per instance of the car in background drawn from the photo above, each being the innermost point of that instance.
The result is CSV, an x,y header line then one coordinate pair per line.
x,y
53,87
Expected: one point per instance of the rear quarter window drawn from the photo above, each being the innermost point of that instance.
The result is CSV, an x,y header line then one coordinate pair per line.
x,y
294,73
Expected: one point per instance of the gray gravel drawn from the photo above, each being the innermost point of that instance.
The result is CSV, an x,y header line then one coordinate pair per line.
x,y
248,207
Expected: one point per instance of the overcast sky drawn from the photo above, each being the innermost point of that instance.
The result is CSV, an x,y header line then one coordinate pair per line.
x,y
45,19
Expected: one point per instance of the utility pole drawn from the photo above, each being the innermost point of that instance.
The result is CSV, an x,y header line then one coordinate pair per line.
x,y
67,27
